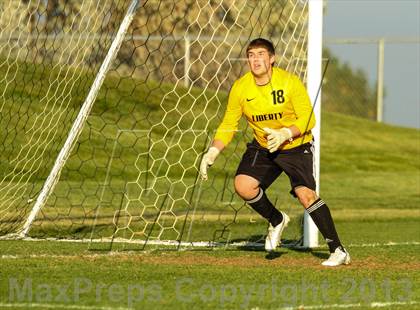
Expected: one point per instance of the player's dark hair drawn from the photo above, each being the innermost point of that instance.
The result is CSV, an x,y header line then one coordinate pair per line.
x,y
263,43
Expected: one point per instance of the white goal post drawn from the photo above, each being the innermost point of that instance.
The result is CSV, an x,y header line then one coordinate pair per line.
x,y
107,108
314,86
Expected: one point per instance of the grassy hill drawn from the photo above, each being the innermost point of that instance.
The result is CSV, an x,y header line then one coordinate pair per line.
x,y
365,164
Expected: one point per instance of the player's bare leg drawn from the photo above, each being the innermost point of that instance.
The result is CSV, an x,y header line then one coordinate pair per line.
x,y
320,213
249,189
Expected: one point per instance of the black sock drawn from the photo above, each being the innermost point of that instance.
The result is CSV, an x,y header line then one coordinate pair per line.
x,y
321,216
265,208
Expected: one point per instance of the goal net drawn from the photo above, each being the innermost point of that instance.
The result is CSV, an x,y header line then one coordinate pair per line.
x,y
132,172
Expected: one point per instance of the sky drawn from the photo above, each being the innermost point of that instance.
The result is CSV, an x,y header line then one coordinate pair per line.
x,y
376,19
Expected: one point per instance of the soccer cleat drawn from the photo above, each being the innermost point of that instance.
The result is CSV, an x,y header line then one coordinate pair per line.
x,y
339,257
274,233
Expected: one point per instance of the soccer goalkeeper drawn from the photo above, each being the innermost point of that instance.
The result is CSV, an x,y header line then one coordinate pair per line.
x,y
277,108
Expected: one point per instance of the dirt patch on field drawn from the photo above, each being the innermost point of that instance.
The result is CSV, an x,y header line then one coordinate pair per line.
x,y
244,260
247,261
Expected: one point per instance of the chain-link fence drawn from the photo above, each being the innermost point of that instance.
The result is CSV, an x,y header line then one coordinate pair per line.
x,y
374,78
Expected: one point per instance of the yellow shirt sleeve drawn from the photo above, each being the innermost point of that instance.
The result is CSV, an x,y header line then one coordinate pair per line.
x,y
229,125
305,118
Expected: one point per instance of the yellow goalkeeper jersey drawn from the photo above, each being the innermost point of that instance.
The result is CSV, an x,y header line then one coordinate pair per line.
x,y
282,102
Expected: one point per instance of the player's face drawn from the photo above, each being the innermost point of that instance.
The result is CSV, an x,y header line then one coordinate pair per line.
x,y
260,61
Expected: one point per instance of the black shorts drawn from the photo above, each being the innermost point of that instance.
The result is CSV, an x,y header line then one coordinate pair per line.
x,y
266,167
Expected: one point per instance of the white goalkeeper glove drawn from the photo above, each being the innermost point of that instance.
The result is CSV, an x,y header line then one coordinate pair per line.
x,y
277,137
208,160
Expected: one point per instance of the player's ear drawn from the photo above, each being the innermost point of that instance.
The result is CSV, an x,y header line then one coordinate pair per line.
x,y
272,59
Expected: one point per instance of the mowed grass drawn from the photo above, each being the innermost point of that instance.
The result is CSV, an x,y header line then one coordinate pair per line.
x,y
373,192
37,274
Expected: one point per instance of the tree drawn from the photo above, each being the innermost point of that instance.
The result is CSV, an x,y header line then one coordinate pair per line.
x,y
347,90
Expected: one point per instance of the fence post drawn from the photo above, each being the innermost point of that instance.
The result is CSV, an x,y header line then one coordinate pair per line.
x,y
187,62
380,84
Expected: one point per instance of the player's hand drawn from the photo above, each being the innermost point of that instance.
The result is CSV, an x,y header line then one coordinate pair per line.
x,y
208,160
276,137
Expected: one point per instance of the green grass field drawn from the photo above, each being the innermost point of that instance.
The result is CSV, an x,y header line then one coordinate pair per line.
x,y
63,275
370,178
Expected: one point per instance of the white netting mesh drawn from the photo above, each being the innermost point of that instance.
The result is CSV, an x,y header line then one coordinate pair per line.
x,y
46,49
133,173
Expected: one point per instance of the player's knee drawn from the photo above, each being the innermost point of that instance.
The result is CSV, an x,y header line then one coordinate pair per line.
x,y
306,196
246,187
